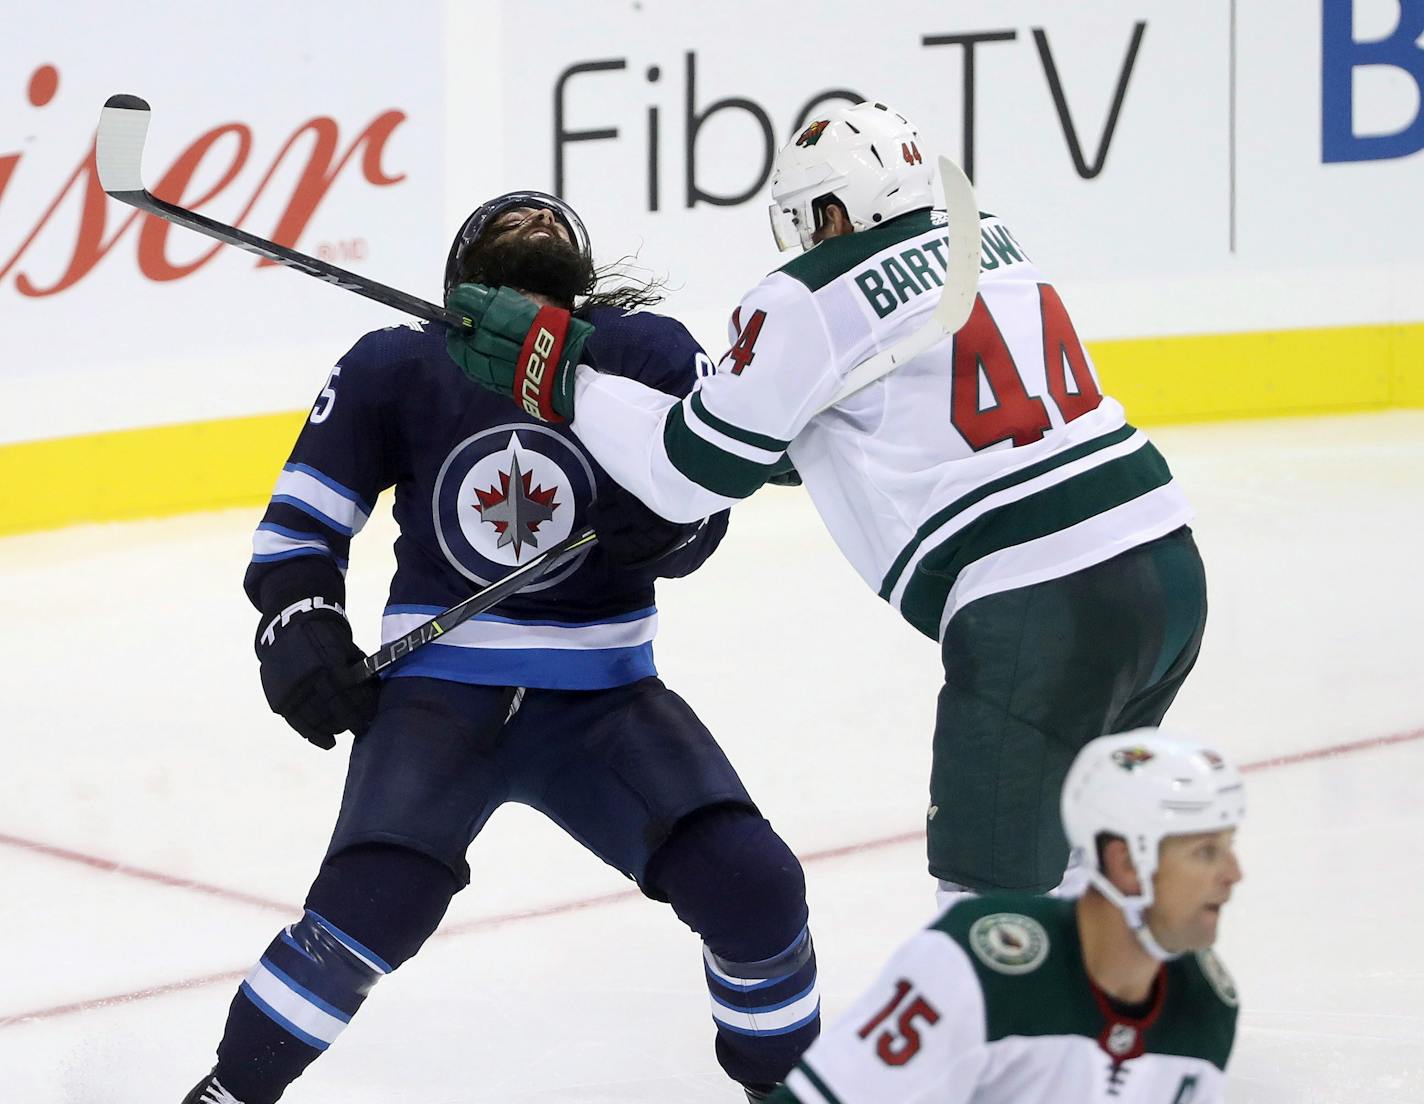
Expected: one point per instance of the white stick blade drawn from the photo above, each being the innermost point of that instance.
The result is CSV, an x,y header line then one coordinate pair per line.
x,y
123,127
962,280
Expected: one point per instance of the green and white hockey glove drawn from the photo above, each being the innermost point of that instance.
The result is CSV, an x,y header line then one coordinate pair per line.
x,y
518,348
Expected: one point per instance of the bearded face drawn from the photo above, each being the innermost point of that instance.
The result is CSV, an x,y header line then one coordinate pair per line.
x,y
528,248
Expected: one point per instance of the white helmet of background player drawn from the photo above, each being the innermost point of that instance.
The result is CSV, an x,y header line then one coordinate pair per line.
x,y
1143,786
867,156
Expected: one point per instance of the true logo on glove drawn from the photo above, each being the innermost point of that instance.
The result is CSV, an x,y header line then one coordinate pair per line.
x,y
303,605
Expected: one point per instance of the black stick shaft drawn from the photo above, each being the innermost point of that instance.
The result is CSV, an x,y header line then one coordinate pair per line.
x,y
328,273
396,650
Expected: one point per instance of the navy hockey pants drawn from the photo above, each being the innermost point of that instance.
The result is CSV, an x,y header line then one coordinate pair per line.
x,y
615,769
630,772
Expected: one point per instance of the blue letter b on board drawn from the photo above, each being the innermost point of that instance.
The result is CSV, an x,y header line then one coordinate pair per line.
x,y
1340,56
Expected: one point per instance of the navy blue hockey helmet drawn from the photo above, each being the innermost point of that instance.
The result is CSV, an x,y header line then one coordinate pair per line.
x,y
485,212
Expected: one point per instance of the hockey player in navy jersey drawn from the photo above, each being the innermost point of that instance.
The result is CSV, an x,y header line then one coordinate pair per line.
x,y
550,700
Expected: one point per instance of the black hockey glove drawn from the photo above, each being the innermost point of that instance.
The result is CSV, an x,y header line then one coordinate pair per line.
x,y
631,534
306,653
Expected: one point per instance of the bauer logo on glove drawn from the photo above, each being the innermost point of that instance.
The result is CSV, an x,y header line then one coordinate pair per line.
x,y
519,348
543,346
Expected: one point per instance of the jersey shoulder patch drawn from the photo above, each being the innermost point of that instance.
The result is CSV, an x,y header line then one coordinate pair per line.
x,y
1008,933
1199,1019
1218,977
1025,955
1009,942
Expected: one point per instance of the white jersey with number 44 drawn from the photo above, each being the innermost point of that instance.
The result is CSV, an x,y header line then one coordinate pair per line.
x,y
990,461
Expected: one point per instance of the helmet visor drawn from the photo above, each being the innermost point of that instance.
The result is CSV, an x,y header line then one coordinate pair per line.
x,y
784,228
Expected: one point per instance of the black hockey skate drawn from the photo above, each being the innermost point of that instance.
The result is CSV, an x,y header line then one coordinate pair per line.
x,y
756,1092
210,1091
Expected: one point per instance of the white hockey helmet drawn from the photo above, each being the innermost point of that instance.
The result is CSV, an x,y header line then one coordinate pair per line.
x,y
867,156
1143,786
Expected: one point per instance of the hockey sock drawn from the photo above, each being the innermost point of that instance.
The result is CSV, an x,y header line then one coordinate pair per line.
x,y
370,909
730,878
767,1012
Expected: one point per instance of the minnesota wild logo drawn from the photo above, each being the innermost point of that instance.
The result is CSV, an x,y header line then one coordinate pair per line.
x,y
812,134
1009,942
1216,973
1131,758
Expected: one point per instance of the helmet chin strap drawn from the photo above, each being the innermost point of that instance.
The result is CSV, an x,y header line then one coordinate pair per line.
x,y
1134,911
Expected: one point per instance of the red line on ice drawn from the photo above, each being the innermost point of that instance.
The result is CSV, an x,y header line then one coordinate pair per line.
x,y
121,998
487,922
1334,750
109,866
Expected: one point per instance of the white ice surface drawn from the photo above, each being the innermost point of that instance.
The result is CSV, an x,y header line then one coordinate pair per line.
x,y
132,730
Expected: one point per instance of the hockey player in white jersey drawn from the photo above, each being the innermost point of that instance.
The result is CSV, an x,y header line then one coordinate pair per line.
x,y
1116,997
987,488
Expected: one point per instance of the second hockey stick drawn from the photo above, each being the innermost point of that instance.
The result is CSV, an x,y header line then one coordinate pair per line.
x,y
123,128
956,301
396,650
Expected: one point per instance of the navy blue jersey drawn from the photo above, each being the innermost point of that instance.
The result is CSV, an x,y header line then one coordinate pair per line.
x,y
480,488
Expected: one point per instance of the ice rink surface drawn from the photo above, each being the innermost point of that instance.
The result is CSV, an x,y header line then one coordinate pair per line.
x,y
158,824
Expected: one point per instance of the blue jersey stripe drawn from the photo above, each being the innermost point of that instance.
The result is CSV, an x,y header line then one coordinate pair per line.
x,y
273,557
326,480
616,619
294,534
311,511
537,668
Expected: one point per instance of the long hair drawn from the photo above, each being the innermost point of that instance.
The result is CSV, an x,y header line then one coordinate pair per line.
x,y
559,271
629,294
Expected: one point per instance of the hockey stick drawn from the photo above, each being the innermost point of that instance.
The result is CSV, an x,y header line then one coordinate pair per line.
x,y
123,126
396,650
956,301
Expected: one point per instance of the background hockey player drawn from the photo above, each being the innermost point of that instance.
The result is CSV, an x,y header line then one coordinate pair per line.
x,y
987,488
1117,997
552,701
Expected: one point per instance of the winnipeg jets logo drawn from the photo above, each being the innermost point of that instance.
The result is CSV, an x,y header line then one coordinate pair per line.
x,y
516,508
507,494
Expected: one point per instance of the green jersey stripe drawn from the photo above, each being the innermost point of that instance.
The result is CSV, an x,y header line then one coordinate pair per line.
x,y
699,460
820,1086
1012,479
1050,510
736,433
834,257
